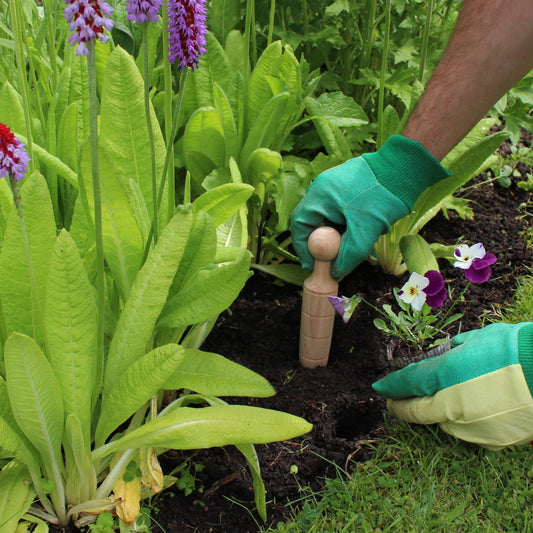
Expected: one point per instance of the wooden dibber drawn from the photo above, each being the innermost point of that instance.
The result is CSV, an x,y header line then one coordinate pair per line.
x,y
318,315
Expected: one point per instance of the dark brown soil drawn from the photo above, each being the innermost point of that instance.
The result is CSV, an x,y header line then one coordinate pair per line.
x,y
261,332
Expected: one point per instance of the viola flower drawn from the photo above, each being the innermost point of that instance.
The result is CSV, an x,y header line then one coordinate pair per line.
x,y
475,261
413,291
344,306
143,10
13,158
88,20
435,291
186,32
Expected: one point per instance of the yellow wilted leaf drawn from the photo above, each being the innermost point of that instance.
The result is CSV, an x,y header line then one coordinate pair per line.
x,y
129,494
152,473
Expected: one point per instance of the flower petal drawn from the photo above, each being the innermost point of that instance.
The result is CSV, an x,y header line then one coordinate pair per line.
x,y
338,303
478,275
485,261
477,251
437,299
436,282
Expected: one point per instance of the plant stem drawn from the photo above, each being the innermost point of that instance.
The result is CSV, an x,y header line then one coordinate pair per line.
x,y
97,193
271,21
146,57
425,41
384,61
443,319
14,6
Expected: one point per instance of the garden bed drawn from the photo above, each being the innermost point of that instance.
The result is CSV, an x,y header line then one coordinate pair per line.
x,y
261,332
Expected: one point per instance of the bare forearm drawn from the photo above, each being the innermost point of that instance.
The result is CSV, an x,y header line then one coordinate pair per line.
x,y
491,49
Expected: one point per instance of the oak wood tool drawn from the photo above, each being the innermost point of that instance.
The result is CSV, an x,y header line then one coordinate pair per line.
x,y
318,315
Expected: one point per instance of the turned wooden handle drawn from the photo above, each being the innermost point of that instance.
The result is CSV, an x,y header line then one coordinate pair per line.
x,y
318,315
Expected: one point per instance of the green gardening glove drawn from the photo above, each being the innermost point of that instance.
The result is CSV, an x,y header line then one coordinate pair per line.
x,y
480,390
365,196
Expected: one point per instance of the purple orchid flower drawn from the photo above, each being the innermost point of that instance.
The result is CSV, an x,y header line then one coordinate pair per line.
x,y
140,11
13,158
475,261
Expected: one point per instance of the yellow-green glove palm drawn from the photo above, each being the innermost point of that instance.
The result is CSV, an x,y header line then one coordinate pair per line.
x,y
480,391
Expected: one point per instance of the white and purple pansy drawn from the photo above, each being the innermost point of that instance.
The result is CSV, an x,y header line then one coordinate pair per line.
x,y
475,261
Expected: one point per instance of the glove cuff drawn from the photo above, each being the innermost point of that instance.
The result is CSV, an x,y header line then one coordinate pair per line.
x,y
405,168
525,353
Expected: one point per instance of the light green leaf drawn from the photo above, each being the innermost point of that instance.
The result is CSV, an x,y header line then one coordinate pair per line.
x,y
200,250
262,166
223,16
214,375
19,303
147,297
124,132
35,398
259,90
71,323
123,240
227,120
214,67
339,109
287,194
417,254
208,293
16,495
265,131
11,111
189,428
144,378
204,147
223,201
291,273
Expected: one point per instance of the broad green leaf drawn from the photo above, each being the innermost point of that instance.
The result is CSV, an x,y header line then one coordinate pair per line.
x,y
36,400
139,208
200,250
223,16
223,201
20,304
123,240
214,375
147,297
287,194
71,324
204,147
331,135
123,127
417,254
338,109
80,484
391,122
78,93
53,163
265,131
227,120
67,136
259,90
290,273
262,166
192,428
6,205
11,111
234,232
235,49
16,495
135,386
214,67
209,292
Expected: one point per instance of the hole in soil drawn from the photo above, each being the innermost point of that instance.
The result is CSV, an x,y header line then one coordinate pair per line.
x,y
357,420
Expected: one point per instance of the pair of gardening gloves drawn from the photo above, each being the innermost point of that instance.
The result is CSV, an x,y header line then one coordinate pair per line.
x,y
481,389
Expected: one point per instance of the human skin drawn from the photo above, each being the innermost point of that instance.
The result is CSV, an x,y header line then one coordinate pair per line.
x,y
490,50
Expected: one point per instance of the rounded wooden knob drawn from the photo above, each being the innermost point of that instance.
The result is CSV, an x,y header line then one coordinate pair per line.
x,y
324,243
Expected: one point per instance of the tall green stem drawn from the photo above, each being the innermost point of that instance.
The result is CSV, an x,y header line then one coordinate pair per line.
x,y
425,41
384,62
271,21
146,53
97,193
169,139
21,69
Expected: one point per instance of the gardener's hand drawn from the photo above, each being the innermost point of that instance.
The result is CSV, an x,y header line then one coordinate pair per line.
x,y
480,391
365,195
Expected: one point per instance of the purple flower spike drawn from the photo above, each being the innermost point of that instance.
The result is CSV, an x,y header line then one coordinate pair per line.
x,y
435,291
143,10
88,20
186,32
480,270
13,158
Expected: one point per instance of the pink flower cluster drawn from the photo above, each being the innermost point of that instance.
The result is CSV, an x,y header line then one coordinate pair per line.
x,y
88,20
13,158
143,10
